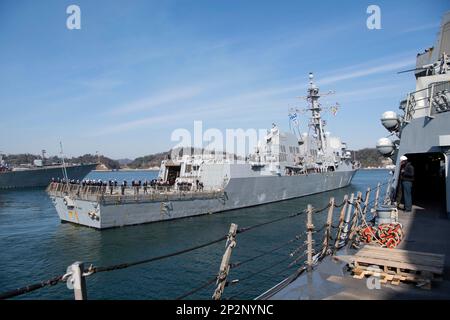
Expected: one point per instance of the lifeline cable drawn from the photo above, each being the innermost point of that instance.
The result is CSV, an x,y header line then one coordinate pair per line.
x,y
92,270
131,264
203,286
19,291
239,263
245,229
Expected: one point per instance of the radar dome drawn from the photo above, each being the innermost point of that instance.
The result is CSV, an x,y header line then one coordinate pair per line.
x,y
385,146
390,120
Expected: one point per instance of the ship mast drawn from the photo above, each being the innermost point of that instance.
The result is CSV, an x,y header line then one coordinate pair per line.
x,y
316,119
64,170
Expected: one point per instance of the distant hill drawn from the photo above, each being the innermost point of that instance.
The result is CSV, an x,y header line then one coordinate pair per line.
x,y
148,161
18,159
27,158
90,158
124,162
154,160
370,157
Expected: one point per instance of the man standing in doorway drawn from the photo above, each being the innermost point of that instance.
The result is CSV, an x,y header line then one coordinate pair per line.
x,y
407,178
399,192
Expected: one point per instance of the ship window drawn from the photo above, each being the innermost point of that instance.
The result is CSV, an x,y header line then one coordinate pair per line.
x,y
188,168
195,168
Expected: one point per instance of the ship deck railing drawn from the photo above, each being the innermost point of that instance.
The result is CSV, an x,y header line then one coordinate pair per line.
x,y
435,101
131,194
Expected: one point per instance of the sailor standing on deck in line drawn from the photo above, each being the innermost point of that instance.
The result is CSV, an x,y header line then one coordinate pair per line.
x,y
110,183
407,178
122,187
145,184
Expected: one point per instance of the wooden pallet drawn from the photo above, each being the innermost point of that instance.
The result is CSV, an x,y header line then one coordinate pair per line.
x,y
396,265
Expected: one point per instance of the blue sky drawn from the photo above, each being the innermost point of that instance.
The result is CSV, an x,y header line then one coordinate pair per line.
x,y
137,70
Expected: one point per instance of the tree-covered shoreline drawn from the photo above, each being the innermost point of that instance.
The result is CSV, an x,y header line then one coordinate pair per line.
x,y
369,157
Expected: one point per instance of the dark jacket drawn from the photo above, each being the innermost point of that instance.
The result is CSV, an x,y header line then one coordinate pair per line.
x,y
408,172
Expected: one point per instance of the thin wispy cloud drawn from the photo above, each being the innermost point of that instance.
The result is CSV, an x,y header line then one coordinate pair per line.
x,y
364,92
242,65
250,100
367,71
129,125
423,27
159,99
102,83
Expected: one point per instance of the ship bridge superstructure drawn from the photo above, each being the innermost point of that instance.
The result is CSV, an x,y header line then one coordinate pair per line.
x,y
283,165
421,132
278,153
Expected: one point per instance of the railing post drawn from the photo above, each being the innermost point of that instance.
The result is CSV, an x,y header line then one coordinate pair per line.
x,y
388,191
309,239
77,281
428,101
348,214
356,213
326,239
341,223
366,201
377,196
225,264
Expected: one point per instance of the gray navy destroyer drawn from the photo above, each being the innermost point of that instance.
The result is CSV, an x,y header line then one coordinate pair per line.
x,y
285,165
39,174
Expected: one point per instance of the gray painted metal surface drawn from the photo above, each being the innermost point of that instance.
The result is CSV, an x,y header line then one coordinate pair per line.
x,y
41,177
424,128
239,193
285,165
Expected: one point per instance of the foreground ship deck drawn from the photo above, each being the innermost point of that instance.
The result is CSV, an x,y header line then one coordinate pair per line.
x,y
419,140
426,229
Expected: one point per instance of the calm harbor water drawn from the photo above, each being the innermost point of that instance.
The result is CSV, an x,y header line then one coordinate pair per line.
x,y
35,246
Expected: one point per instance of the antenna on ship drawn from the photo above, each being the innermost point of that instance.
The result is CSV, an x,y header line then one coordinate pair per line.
x,y
43,152
293,122
64,164
315,108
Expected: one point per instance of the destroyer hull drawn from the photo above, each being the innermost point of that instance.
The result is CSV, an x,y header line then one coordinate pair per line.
x,y
239,193
41,177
